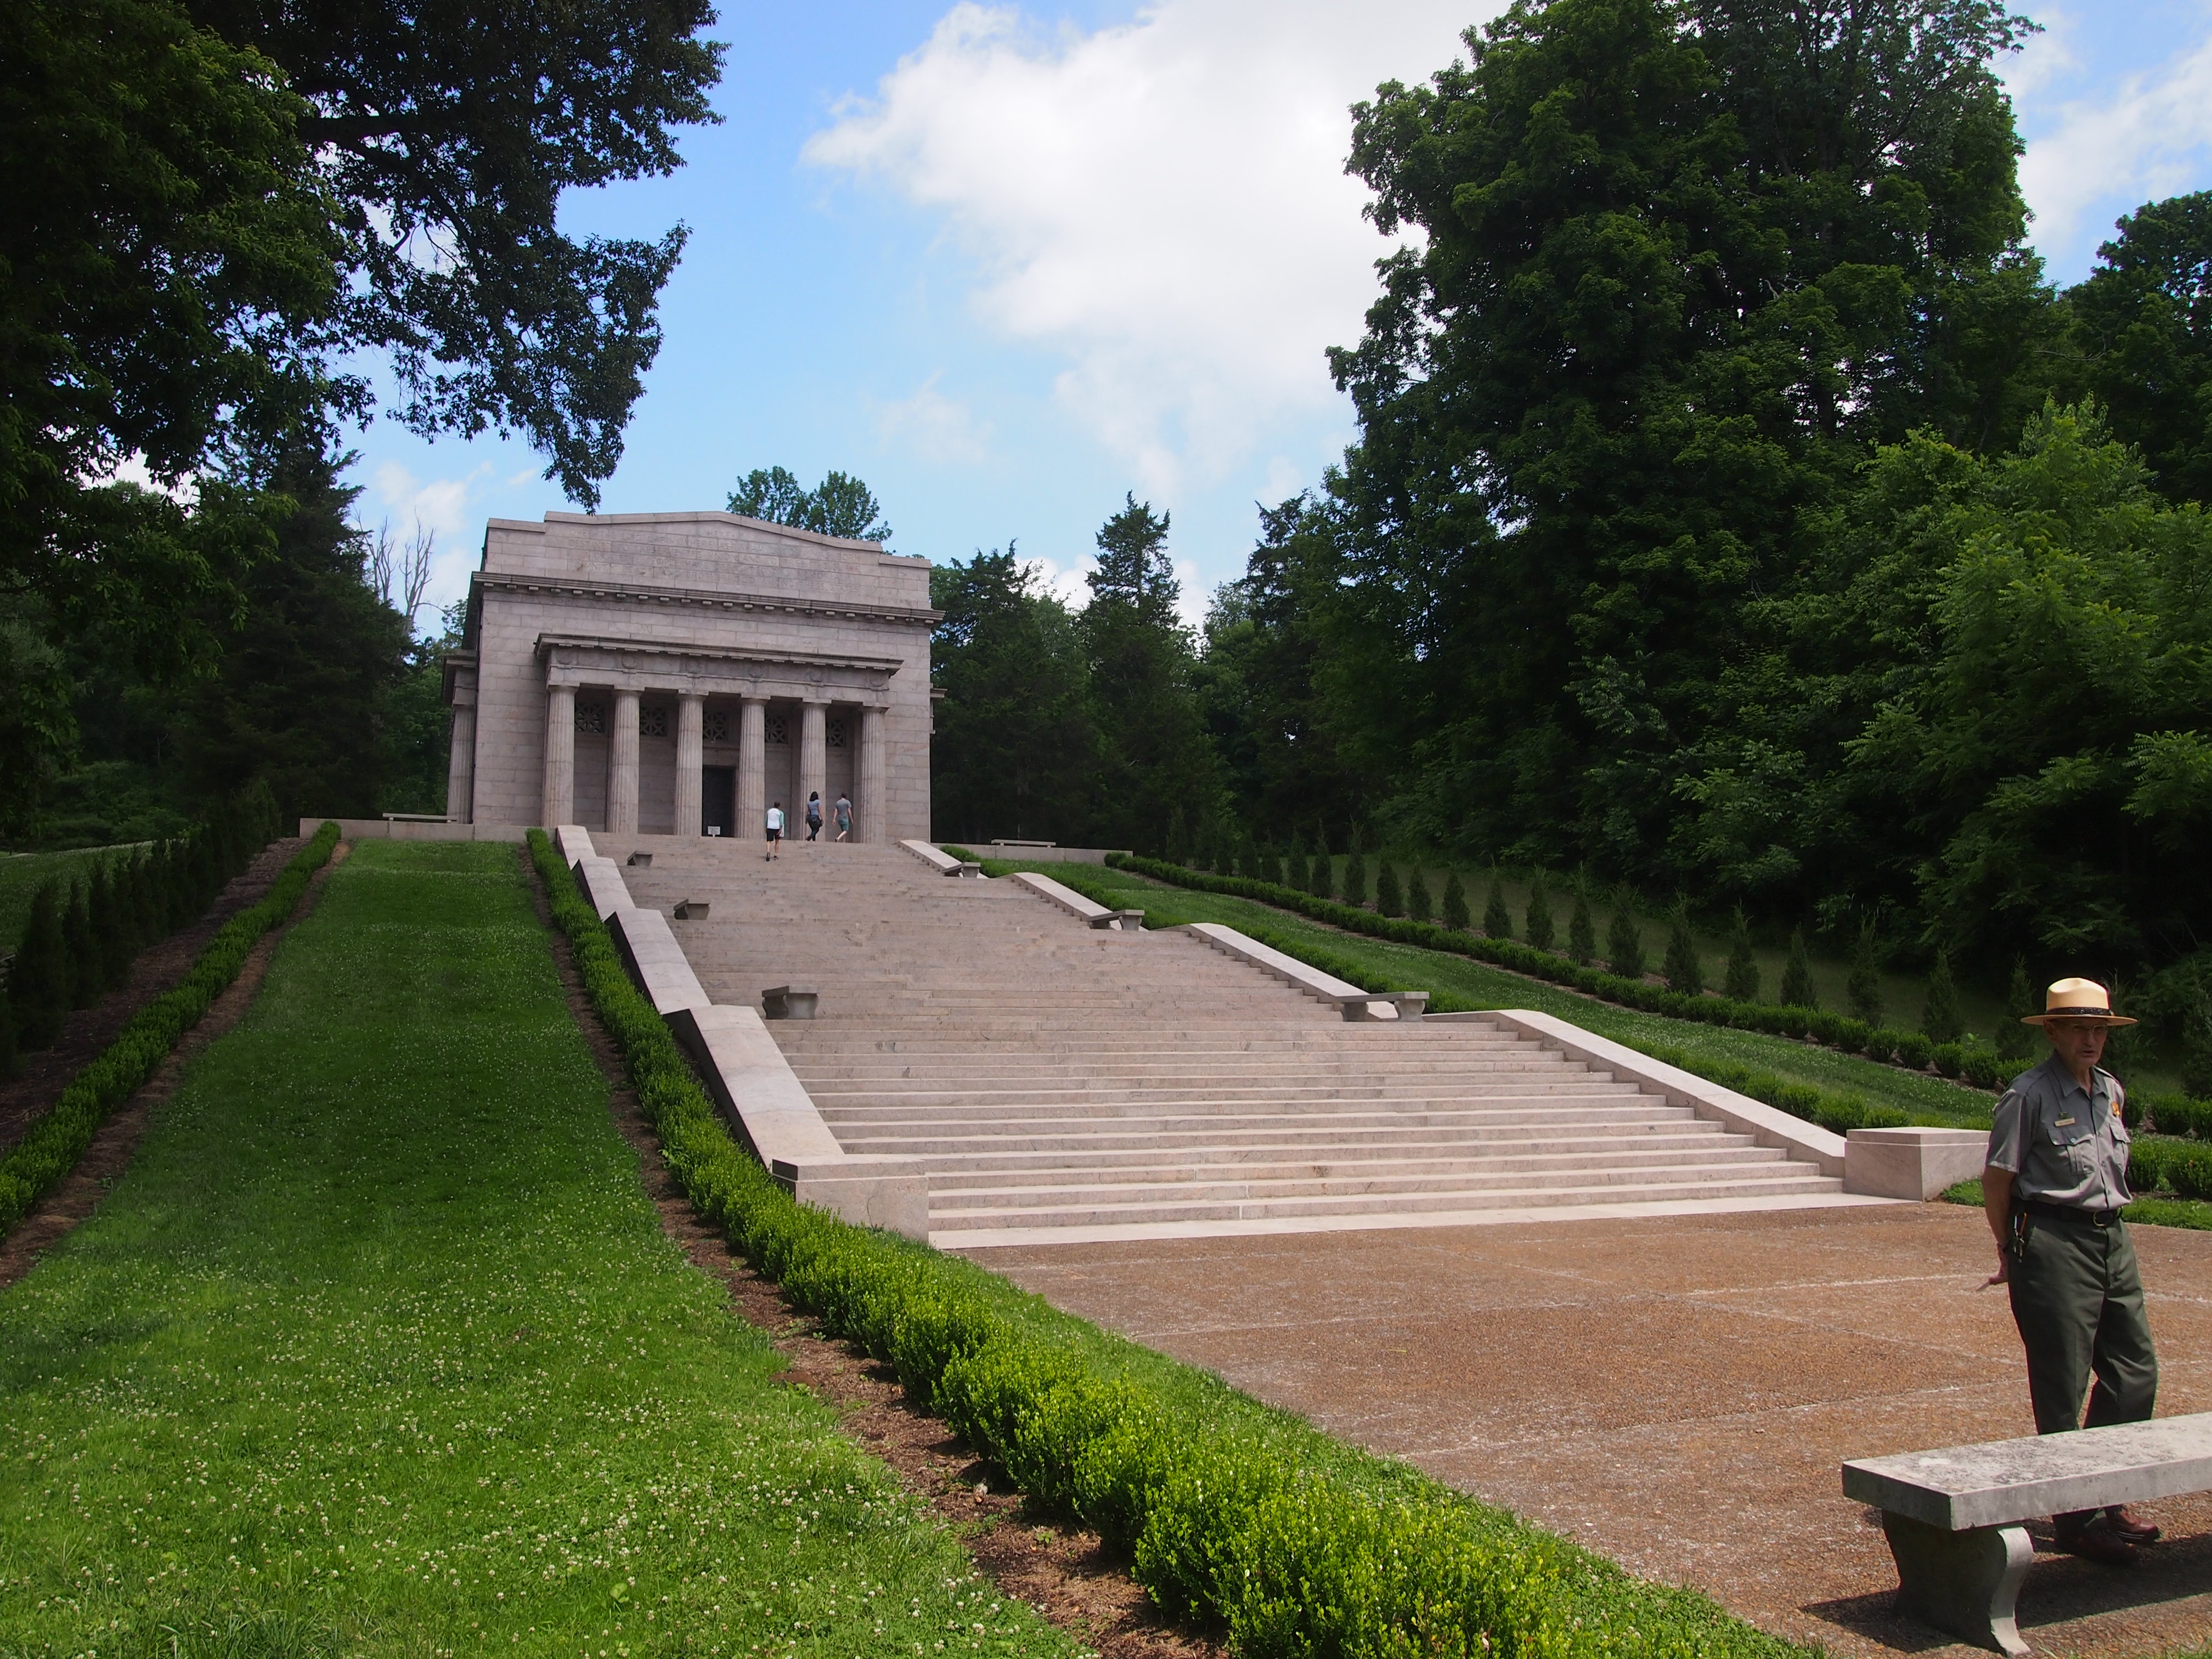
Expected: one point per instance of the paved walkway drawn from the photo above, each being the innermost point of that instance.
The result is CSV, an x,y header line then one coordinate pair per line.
x,y
1677,1394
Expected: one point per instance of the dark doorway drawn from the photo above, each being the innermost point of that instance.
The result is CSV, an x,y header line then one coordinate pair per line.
x,y
718,800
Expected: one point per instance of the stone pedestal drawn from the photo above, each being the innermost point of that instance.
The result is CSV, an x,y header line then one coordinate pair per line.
x,y
621,767
560,795
691,723
1912,1163
1964,1584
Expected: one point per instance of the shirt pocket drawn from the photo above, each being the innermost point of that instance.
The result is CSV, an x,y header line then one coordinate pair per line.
x,y
2072,1131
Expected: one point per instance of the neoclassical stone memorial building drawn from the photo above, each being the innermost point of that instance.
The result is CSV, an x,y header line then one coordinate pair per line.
x,y
666,673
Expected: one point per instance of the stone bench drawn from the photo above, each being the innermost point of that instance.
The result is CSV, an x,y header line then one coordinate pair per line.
x,y
790,1002
1352,1002
1090,914
1953,1516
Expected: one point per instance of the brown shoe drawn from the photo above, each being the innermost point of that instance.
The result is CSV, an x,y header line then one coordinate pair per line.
x,y
2096,1541
2129,1528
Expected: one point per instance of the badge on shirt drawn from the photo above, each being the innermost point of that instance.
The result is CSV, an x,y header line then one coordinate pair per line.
x,y
2065,1122
2115,1108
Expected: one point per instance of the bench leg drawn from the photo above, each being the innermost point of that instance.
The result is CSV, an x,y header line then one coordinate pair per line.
x,y
1961,1583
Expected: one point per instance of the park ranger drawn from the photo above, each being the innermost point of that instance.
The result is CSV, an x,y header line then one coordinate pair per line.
x,y
2056,1179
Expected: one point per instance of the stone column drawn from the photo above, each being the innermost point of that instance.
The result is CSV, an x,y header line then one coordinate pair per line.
x,y
461,764
752,766
813,759
691,720
559,807
873,809
621,767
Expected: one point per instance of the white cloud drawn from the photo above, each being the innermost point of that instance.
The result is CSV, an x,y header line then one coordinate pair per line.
x,y
2047,58
936,428
1283,481
1071,586
1162,204
2147,140
443,507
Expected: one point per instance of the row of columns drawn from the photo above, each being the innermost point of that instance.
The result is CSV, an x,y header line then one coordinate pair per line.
x,y
559,794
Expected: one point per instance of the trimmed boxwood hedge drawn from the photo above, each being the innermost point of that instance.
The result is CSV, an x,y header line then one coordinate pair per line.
x,y
51,1147
1973,1064
1235,1516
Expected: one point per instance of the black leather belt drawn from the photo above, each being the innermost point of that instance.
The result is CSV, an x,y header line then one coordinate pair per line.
x,y
2075,1213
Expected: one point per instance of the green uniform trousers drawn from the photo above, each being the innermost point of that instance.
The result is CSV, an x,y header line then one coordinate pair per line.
x,y
2078,1300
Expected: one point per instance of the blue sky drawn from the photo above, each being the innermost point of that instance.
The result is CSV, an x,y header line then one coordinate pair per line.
x,y
1006,263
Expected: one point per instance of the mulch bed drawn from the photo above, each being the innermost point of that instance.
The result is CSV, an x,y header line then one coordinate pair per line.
x,y
1067,1574
78,1194
86,1031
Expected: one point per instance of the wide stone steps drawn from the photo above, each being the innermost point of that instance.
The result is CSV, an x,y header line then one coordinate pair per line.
x,y
1052,1077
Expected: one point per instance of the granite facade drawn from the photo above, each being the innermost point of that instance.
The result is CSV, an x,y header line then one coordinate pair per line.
x,y
622,670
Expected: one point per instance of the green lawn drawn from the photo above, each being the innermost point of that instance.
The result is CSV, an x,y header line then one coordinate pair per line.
x,y
1926,1098
378,1347
22,875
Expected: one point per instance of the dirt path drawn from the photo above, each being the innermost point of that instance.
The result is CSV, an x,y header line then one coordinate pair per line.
x,y
1677,1394
78,1194
1067,1575
86,1031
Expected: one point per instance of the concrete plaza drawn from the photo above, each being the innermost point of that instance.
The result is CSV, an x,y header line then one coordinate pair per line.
x,y
1677,1394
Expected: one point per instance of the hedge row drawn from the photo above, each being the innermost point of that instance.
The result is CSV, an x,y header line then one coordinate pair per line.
x,y
81,938
2160,1163
1973,1064
1234,1516
2175,1114
50,1149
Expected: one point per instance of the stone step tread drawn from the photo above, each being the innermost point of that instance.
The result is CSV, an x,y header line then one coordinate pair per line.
x,y
1094,1214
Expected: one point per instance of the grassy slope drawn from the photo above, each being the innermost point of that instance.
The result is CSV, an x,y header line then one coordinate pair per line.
x,y
22,875
378,1346
1927,1098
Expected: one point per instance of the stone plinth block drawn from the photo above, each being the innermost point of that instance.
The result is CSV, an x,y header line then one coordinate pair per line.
x,y
770,1111
655,960
1912,1163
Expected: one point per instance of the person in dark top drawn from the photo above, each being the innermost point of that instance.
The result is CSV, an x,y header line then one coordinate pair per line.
x,y
2056,1180
813,813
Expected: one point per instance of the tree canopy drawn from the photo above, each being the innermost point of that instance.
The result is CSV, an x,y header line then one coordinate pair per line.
x,y
840,505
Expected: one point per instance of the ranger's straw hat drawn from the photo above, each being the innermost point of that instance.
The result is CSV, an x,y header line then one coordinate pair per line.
x,y
2076,998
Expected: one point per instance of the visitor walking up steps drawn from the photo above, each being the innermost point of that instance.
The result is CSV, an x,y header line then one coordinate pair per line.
x,y
775,828
2057,1180
844,817
813,814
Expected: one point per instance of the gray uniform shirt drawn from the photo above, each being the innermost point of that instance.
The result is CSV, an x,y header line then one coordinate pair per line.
x,y
2063,1143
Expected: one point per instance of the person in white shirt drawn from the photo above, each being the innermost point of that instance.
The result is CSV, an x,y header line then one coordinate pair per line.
x,y
774,827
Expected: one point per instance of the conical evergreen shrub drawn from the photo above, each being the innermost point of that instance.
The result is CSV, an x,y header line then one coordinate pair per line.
x,y
1941,1019
1624,940
1417,896
86,981
1294,874
2014,1040
2196,1047
1390,901
1454,913
1741,984
1355,879
39,977
10,1063
111,927
1496,920
1537,931
1274,866
1797,987
1863,988
1685,973
1178,849
1582,929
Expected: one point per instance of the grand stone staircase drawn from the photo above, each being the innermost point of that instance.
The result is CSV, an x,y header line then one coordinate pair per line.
x,y
1064,1082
